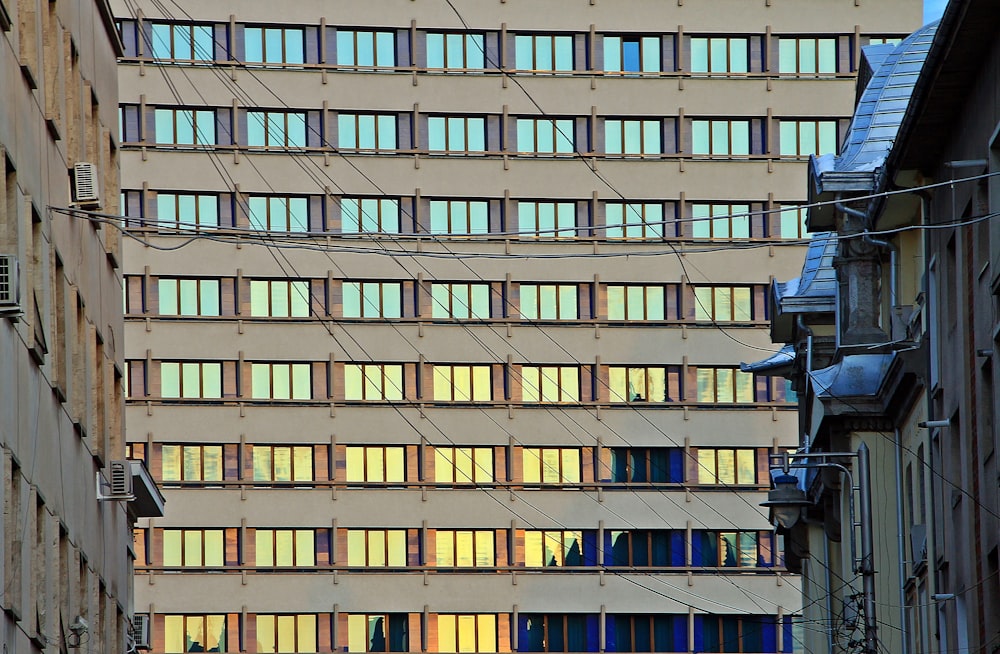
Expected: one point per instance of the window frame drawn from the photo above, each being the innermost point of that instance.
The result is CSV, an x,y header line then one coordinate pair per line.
x,y
449,375
565,299
283,58
390,381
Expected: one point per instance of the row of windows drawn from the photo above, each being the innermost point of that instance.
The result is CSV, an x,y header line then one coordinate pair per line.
x,y
394,382
453,548
524,219
471,632
275,298
374,49
263,465
479,134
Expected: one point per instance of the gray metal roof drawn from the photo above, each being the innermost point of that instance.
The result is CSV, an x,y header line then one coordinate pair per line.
x,y
777,363
856,375
816,288
876,118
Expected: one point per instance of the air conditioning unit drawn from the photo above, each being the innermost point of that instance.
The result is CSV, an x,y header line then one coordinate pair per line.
x,y
10,284
120,485
140,631
85,185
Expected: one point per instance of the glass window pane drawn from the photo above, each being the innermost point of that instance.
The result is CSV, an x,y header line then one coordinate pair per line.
x,y
436,132
172,547
385,46
706,467
746,467
700,143
613,136
563,52
612,53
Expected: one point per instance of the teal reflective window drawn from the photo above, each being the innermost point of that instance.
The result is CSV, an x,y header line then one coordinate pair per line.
x,y
807,56
636,302
366,131
633,136
549,302
366,49
632,54
276,129
187,211
804,137
792,223
274,45
635,220
459,217
720,55
452,51
460,301
720,221
456,133
183,42
543,53
188,297
545,136
185,126
373,299
720,137
369,216
546,219
278,213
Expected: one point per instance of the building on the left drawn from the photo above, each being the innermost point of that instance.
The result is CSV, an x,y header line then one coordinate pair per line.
x,y
69,497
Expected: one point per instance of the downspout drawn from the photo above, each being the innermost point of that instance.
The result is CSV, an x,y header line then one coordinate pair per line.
x,y
901,548
829,595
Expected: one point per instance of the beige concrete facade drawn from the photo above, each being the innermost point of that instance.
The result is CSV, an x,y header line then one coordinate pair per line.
x,y
210,575
65,557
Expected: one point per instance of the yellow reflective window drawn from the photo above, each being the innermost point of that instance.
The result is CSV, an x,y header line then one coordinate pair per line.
x,y
306,634
214,548
466,633
212,470
192,548
374,469
305,547
445,549
746,467
265,634
570,466
283,547
446,633
173,633
303,470
486,633
396,541
172,547
192,462
357,553
357,633
262,463
376,548
706,466
532,465
395,464
726,467
282,464
533,553
550,466
355,464
265,547
286,633
171,470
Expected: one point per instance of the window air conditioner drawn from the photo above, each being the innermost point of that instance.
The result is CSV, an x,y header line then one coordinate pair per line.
x,y
10,286
140,631
85,185
120,485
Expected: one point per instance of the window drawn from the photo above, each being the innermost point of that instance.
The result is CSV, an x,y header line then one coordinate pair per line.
x,y
366,131
279,213
456,51
369,216
373,299
550,383
647,464
636,302
727,466
543,548
549,302
190,380
543,53
792,223
554,632
191,463
551,465
456,134
720,55
466,632
459,548
634,220
376,548
275,45
185,126
733,633
724,137
189,297
463,465
546,136
283,463
632,136
462,383
804,137
278,299
810,56
723,303
725,385
193,548
187,211
730,549
375,464
884,40
373,381
281,381
647,633
460,301
366,49
286,633
460,217
371,632
632,54
720,221
276,129
644,384
285,547
546,219
185,42
195,633
658,548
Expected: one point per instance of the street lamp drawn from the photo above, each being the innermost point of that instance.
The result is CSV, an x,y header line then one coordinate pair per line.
x,y
786,501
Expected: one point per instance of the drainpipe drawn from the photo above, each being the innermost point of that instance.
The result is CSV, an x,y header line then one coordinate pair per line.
x,y
901,548
809,345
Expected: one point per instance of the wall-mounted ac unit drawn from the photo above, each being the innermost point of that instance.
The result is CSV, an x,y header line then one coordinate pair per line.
x,y
140,631
85,187
10,284
119,486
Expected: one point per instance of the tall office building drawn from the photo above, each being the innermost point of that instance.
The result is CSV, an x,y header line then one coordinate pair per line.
x,y
65,532
435,320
